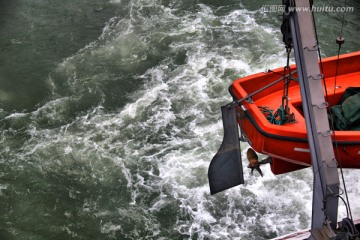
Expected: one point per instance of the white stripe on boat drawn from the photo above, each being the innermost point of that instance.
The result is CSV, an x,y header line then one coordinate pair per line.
x,y
304,150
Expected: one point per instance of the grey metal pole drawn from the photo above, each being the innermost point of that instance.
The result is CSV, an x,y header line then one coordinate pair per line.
x,y
326,178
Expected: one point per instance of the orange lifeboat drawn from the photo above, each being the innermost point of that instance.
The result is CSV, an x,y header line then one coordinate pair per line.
x,y
287,144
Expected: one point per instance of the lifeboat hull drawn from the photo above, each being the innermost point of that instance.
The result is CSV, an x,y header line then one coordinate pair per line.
x,y
287,144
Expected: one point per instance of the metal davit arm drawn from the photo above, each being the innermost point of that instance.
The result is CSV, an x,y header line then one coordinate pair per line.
x,y
326,178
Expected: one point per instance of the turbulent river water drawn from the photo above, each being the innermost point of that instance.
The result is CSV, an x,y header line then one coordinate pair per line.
x,y
110,115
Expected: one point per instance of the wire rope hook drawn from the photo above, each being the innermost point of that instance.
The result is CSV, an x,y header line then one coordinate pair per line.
x,y
287,39
288,116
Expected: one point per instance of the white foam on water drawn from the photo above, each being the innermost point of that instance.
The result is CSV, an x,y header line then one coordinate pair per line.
x,y
175,107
